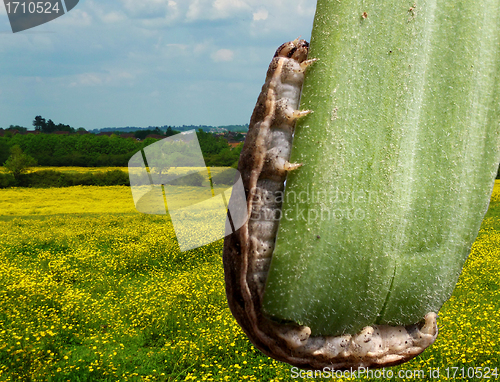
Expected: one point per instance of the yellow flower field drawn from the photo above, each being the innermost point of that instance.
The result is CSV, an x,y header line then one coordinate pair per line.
x,y
91,290
71,169
66,200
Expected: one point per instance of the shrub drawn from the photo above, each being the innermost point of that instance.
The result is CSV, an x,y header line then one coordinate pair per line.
x,y
195,179
227,177
7,180
52,178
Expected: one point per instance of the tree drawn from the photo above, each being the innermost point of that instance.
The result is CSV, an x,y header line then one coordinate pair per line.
x,y
142,134
39,123
18,162
171,132
21,129
63,127
4,149
51,127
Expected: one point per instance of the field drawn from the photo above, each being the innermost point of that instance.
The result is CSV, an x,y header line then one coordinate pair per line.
x,y
91,290
70,169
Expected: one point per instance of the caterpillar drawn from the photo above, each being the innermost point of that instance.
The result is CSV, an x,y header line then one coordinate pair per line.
x,y
263,165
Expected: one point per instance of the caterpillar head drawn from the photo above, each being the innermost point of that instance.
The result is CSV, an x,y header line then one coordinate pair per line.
x,y
296,49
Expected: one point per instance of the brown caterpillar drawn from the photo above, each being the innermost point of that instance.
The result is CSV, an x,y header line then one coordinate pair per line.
x,y
247,252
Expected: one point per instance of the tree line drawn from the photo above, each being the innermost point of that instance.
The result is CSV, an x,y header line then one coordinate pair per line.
x,y
20,152
89,150
49,126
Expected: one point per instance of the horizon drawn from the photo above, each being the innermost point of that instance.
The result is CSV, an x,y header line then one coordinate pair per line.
x,y
162,127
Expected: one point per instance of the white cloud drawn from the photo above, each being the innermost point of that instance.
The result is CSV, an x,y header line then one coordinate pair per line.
x,y
202,47
277,18
223,55
261,14
88,79
215,9
153,14
181,47
75,18
227,8
173,10
194,10
277,14
147,8
99,79
112,17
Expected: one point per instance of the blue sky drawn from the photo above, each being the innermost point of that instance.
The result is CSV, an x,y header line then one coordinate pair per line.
x,y
145,63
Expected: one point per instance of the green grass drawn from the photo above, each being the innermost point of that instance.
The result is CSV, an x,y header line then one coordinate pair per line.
x,y
109,297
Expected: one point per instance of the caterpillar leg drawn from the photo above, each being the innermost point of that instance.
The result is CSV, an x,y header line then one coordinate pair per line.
x,y
284,110
299,113
283,164
304,64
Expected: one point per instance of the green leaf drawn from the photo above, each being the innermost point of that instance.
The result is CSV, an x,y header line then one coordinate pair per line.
x,y
399,159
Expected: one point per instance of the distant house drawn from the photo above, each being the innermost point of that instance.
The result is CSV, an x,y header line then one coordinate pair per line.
x,y
233,144
13,132
127,135
61,132
108,133
33,132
